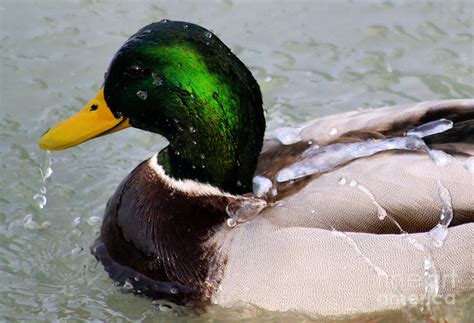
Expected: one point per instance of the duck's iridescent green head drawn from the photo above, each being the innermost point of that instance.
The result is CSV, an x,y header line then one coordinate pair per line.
x,y
179,80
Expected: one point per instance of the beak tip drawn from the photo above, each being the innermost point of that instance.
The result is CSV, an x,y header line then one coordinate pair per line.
x,y
43,145
43,142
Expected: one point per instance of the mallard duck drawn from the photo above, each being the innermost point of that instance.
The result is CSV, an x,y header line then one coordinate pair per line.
x,y
222,216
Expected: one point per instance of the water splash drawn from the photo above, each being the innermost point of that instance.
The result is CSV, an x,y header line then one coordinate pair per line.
x,y
439,157
342,181
381,212
430,128
40,200
157,80
29,223
287,135
413,242
432,280
353,244
261,185
76,250
46,171
244,209
323,159
469,164
278,203
94,220
142,95
440,232
76,222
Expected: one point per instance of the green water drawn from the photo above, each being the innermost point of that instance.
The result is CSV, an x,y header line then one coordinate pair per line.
x,y
311,58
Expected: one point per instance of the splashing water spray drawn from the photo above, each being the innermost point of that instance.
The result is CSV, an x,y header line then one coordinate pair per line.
x,y
40,198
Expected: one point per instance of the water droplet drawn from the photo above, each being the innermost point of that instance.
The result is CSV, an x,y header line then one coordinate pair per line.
x,y
333,132
244,208
164,21
163,307
157,79
342,181
127,285
193,166
208,34
76,222
439,157
381,212
323,159
274,191
192,129
312,211
261,185
94,220
194,142
142,94
77,233
29,223
174,290
430,128
287,135
76,250
202,156
239,183
231,223
431,278
47,173
43,190
185,26
439,234
46,164
45,225
469,164
310,142
40,200
353,183
279,203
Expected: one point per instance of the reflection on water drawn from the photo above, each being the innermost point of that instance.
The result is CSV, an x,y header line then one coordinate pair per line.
x,y
310,58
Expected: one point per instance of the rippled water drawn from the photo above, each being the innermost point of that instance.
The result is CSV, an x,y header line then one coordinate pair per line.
x,y
310,58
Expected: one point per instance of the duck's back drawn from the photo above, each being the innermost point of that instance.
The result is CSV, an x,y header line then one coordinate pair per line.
x,y
330,249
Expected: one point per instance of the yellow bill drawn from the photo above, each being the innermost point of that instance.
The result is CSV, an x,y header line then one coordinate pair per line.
x,y
93,121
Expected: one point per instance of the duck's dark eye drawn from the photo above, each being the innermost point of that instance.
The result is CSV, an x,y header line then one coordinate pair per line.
x,y
135,71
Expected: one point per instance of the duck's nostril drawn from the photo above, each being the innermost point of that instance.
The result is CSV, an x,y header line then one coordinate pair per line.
x,y
93,107
46,132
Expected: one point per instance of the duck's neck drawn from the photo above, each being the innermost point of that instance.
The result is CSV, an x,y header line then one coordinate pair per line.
x,y
215,157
